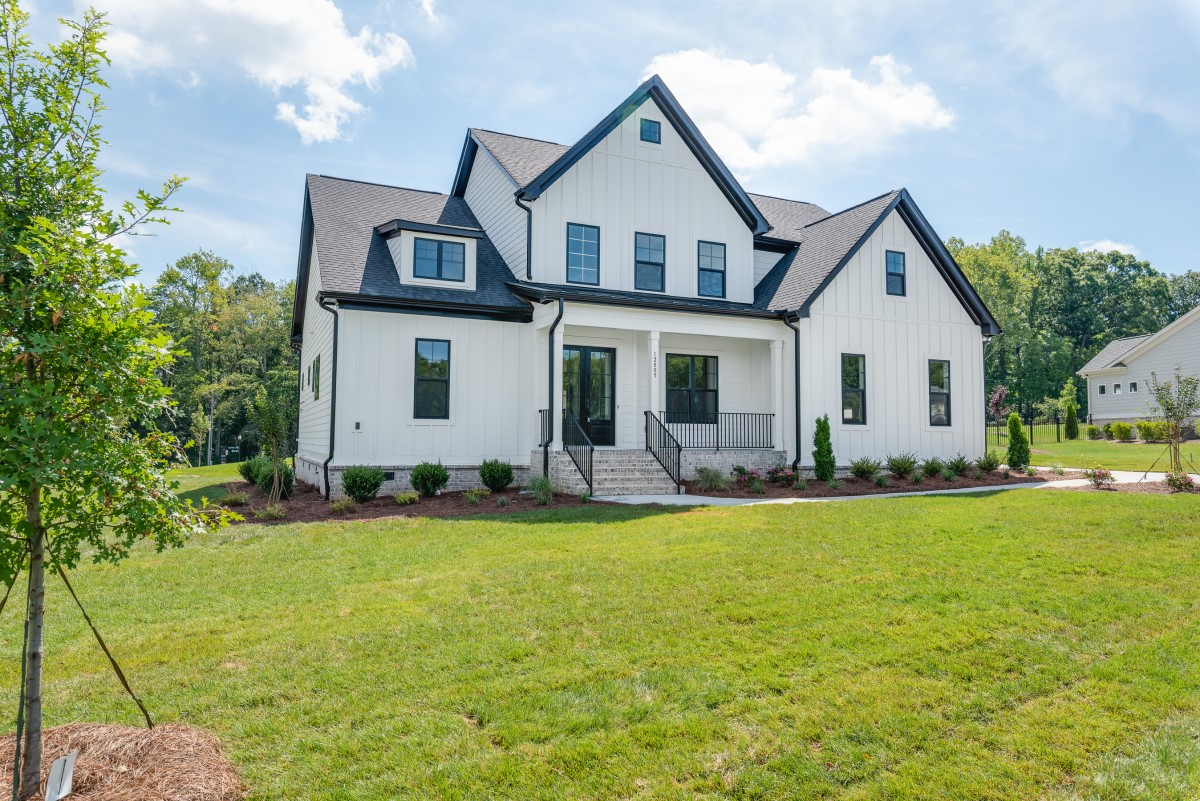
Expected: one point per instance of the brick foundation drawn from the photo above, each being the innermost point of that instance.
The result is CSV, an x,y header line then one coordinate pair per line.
x,y
462,477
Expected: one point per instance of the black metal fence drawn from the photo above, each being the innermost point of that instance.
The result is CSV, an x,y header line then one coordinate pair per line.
x,y
577,443
664,446
1040,432
721,429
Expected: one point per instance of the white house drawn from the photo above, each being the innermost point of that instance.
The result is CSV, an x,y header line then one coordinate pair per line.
x,y
618,311
1118,377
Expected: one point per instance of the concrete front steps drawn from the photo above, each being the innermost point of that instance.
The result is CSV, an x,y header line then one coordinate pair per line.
x,y
615,472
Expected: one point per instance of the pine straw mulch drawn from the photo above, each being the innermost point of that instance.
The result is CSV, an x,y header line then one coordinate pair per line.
x,y
307,505
171,762
850,486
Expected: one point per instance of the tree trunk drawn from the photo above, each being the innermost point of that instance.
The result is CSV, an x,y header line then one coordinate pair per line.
x,y
210,427
31,766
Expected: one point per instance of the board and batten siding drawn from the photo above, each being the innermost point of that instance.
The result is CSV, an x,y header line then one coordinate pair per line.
x,y
764,260
898,336
491,391
489,193
1181,349
623,186
313,439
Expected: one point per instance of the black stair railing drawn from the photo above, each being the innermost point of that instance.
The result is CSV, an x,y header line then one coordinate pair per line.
x,y
577,443
664,446
546,437
716,430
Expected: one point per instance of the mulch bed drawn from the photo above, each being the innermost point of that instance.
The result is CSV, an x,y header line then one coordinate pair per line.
x,y
307,505
170,762
1142,488
857,486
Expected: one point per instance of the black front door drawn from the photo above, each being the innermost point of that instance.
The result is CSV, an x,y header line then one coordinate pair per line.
x,y
588,375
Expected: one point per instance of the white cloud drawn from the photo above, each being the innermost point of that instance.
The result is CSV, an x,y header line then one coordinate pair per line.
x,y
759,115
282,44
429,9
1108,246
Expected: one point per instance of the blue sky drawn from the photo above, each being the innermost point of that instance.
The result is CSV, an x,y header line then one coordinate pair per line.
x,y
1068,123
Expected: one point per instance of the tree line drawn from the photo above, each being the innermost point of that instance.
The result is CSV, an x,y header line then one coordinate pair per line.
x,y
1058,308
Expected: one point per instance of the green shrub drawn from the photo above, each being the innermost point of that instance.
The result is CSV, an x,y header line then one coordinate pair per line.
x,y
881,480
274,511
266,478
977,475
585,497
1058,469
542,489
235,499
473,496
710,479
902,465
1094,432
406,498
1122,431
865,467
495,474
502,501
823,462
1153,430
343,506
362,483
1029,471
959,464
802,484
1180,482
933,467
988,462
756,485
834,484
1071,426
1018,443
949,475
1107,429
1100,478
917,478
429,478
250,469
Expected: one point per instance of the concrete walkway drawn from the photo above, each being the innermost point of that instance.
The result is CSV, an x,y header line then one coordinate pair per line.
x,y
1119,476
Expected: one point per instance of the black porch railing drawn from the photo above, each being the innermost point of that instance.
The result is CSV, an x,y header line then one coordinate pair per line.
x,y
664,446
1042,432
546,437
721,429
576,442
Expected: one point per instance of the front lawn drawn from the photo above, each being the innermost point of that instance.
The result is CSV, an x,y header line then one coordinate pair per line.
x,y
205,482
1108,454
1016,645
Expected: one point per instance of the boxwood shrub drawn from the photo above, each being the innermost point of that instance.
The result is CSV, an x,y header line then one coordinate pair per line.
x,y
495,474
429,478
362,483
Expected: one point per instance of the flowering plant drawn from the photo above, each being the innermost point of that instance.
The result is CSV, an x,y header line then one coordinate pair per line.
x,y
1180,482
1100,478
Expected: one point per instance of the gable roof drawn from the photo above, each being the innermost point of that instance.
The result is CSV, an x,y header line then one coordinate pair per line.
x,y
787,218
1110,354
822,248
341,217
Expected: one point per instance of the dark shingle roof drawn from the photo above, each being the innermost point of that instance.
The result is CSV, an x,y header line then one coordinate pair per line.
x,y
822,246
524,159
787,217
1112,352
355,260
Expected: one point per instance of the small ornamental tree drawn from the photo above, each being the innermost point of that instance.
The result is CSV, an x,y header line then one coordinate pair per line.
x,y
996,406
271,420
1069,405
82,465
1177,400
1018,444
823,462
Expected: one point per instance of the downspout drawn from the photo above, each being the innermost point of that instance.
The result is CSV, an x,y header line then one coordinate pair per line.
x,y
550,391
983,384
332,396
786,317
528,236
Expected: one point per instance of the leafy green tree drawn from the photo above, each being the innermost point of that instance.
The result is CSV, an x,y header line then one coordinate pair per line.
x,y
1018,444
272,421
823,461
1185,293
1177,399
82,464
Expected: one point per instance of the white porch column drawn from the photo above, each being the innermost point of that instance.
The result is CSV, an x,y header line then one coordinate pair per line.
x,y
777,379
652,341
556,355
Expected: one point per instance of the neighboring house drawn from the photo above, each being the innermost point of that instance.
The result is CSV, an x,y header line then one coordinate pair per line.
x,y
564,307
1118,377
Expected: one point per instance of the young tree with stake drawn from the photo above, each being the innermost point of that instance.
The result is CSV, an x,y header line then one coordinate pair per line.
x,y
82,466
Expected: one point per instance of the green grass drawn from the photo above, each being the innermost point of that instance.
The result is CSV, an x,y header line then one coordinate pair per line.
x,y
1015,645
1107,454
207,482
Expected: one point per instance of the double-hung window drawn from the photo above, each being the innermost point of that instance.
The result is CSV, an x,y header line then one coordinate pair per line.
x,y
583,254
435,258
316,377
431,388
691,389
710,260
854,389
1100,389
649,255
939,392
896,280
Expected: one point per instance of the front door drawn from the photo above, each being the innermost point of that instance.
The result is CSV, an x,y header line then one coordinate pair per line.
x,y
588,376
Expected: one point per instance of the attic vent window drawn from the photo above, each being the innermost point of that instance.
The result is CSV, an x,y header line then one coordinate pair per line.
x,y
652,131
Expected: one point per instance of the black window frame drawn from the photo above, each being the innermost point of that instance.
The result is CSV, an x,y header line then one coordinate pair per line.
x,y
316,380
441,247
655,126
692,415
701,270
860,391
902,275
418,379
943,395
595,228
639,263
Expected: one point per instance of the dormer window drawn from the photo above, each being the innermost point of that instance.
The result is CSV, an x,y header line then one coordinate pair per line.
x,y
651,131
438,259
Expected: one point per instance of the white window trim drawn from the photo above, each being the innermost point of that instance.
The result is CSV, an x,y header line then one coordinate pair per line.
x,y
404,245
